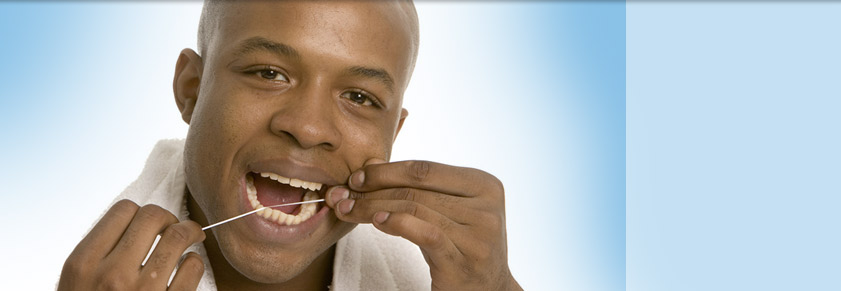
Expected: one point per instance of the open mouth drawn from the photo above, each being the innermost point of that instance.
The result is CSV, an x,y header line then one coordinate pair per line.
x,y
267,189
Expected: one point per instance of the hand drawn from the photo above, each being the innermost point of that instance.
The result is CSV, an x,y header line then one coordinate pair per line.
x,y
455,215
109,257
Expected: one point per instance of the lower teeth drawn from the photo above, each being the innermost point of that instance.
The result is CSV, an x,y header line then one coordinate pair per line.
x,y
277,216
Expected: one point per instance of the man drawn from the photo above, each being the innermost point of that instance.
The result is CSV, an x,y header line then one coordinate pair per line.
x,y
291,101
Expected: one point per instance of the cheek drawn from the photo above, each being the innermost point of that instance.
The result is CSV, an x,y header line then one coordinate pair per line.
x,y
371,140
227,118
220,126
215,133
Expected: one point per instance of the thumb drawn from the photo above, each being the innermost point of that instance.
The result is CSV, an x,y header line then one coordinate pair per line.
x,y
374,161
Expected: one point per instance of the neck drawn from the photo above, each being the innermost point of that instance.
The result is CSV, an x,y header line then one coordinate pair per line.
x,y
317,276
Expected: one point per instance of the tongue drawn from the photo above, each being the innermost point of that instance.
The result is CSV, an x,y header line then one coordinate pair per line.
x,y
271,192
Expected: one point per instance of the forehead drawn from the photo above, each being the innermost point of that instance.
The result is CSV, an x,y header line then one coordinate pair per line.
x,y
368,33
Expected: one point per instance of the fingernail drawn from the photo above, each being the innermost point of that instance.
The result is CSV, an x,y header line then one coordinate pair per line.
x,y
380,217
339,193
346,206
358,178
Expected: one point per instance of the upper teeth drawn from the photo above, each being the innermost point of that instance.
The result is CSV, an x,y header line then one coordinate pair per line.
x,y
307,210
314,186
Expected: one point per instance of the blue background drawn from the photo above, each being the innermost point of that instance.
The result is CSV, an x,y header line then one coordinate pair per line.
x,y
733,138
533,93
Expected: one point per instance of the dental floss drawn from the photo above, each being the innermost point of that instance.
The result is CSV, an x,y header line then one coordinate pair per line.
x,y
255,211
158,238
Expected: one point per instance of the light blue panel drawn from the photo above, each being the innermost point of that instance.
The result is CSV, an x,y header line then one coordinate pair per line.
x,y
733,138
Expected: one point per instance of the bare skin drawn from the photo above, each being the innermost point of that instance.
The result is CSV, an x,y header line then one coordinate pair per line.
x,y
316,87
109,257
455,215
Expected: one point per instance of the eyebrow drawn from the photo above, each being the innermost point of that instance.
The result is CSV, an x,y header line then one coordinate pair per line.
x,y
379,74
259,43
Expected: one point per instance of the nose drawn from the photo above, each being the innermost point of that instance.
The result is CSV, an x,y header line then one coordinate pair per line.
x,y
308,118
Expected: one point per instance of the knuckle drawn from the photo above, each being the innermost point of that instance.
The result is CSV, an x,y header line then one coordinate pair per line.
x,y
406,194
113,281
75,267
178,233
447,201
491,221
495,186
153,213
487,182
125,206
159,259
411,208
418,170
122,210
192,264
445,226
434,239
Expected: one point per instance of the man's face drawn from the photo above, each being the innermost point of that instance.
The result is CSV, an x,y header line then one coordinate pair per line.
x,y
304,90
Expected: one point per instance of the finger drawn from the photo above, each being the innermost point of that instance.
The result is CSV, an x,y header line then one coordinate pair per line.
x,y
424,175
438,248
189,273
148,222
362,211
107,232
335,194
374,161
174,240
341,192
459,209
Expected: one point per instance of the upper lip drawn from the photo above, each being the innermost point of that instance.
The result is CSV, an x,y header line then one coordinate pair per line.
x,y
293,169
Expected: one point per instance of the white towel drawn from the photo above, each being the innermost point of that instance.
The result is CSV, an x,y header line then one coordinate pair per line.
x,y
366,259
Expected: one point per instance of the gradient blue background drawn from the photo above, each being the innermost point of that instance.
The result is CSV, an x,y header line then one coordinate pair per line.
x,y
533,93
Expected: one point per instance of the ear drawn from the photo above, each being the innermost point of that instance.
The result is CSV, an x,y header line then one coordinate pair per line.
x,y
185,83
403,114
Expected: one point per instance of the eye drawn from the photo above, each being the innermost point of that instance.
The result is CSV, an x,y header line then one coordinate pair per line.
x,y
358,97
270,74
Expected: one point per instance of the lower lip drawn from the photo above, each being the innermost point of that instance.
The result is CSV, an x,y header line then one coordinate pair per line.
x,y
272,231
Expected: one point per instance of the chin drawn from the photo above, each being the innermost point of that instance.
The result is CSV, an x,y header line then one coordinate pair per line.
x,y
272,263
268,269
